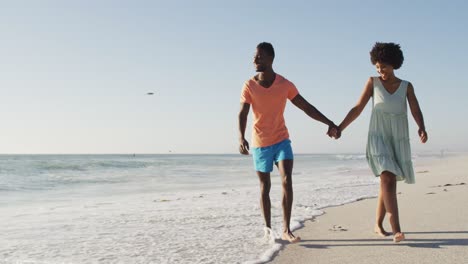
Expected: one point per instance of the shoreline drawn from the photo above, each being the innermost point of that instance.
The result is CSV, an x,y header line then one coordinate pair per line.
x,y
435,230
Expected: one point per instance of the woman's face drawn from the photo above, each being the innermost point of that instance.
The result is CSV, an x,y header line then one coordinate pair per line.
x,y
385,70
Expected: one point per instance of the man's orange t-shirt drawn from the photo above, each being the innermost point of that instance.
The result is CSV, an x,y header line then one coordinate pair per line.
x,y
268,106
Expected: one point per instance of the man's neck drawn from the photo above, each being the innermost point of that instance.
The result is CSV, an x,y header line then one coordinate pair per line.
x,y
266,78
268,75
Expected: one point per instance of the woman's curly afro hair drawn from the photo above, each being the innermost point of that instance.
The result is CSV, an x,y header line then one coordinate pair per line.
x,y
388,53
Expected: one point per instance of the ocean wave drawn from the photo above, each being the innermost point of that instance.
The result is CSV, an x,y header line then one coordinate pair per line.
x,y
91,165
350,157
60,167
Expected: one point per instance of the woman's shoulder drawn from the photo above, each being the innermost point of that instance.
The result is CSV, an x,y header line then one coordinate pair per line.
x,y
371,80
408,82
409,86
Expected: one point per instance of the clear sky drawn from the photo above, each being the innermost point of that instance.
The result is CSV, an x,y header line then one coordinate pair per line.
x,y
75,76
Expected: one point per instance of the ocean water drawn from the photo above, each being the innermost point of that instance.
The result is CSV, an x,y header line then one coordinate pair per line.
x,y
159,208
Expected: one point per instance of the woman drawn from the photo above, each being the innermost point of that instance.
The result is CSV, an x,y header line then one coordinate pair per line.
x,y
388,148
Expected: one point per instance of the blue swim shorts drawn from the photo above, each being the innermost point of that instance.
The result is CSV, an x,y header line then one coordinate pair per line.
x,y
264,157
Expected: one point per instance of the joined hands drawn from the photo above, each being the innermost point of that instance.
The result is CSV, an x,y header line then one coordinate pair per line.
x,y
334,131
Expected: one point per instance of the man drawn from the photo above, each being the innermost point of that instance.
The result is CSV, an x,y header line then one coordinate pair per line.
x,y
267,93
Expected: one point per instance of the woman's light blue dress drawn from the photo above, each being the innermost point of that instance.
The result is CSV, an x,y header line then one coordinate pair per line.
x,y
388,145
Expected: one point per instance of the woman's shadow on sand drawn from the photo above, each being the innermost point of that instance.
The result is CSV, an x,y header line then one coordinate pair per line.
x,y
409,242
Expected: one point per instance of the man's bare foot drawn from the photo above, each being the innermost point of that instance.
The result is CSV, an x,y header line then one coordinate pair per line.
x,y
290,237
268,234
398,237
380,231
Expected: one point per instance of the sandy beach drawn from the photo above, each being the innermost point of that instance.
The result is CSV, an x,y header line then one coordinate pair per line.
x,y
433,216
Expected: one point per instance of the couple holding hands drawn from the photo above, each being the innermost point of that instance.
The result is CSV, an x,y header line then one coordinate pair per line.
x,y
388,149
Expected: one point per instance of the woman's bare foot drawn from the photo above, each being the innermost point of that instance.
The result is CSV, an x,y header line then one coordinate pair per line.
x,y
398,237
380,231
290,237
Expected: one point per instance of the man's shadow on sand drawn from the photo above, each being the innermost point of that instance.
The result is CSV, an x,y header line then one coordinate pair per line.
x,y
387,242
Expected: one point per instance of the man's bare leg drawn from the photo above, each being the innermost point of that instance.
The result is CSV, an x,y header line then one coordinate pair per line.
x,y
285,167
265,204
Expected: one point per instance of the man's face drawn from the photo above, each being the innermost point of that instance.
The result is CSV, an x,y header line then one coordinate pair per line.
x,y
262,61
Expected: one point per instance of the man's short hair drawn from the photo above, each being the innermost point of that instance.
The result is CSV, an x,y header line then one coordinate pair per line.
x,y
267,47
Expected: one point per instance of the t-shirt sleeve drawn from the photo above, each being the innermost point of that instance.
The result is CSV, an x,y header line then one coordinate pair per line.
x,y
245,95
292,91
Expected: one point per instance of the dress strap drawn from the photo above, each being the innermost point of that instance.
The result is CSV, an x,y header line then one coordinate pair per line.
x,y
404,88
